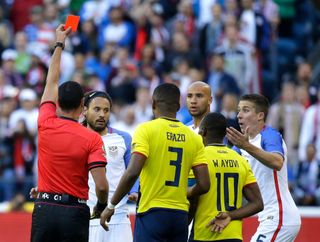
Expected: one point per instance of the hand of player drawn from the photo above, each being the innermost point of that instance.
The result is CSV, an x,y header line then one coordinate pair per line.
x,y
98,209
33,192
219,222
61,33
133,197
95,213
105,217
237,138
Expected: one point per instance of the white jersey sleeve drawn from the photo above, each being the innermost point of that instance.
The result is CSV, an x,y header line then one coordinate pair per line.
x,y
278,203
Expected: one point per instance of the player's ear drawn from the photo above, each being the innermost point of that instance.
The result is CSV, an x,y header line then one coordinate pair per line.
x,y
153,104
85,111
261,116
202,131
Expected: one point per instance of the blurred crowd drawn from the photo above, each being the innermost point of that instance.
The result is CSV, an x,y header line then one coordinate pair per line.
x,y
128,47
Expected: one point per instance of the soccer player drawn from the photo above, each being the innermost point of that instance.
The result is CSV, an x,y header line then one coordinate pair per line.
x,y
231,176
199,100
97,108
66,153
266,152
163,151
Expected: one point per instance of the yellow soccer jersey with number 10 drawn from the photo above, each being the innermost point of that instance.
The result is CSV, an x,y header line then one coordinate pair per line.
x,y
229,173
172,149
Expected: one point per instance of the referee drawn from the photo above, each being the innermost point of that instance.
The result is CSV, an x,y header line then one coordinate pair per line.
x,y
66,151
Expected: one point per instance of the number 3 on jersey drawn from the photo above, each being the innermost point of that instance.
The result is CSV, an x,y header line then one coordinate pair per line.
x,y
177,164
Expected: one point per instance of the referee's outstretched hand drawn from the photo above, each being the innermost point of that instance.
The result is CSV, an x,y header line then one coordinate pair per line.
x,y
105,217
62,33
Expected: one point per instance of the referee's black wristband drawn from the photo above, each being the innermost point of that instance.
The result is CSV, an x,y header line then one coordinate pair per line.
x,y
59,44
101,206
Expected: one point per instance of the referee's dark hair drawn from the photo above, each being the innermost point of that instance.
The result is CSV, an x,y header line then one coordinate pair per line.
x,y
215,127
70,95
167,97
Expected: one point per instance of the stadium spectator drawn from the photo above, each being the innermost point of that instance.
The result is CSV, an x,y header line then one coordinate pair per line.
x,y
237,58
220,81
11,76
28,111
286,116
306,189
211,33
23,60
229,109
310,129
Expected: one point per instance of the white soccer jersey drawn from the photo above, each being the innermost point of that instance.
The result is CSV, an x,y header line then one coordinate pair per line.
x,y
193,128
118,149
278,203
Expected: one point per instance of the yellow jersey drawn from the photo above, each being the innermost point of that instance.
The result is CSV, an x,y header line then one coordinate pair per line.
x,y
171,149
229,173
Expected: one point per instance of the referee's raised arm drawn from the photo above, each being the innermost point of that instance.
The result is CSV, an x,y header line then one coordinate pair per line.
x,y
50,92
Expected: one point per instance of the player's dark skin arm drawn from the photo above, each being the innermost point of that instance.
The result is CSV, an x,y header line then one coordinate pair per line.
x,y
255,204
202,185
127,180
192,208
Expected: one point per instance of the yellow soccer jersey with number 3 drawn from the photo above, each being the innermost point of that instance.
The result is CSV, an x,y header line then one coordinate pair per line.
x,y
172,149
229,173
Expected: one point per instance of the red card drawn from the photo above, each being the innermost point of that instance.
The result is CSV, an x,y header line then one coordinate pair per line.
x,y
72,21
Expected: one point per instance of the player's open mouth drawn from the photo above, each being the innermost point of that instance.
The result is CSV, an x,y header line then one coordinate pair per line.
x,y
102,122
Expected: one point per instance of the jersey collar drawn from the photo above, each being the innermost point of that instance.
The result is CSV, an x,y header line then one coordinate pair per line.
x,y
170,119
71,119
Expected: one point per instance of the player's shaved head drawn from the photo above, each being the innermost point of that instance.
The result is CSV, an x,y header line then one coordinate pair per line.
x,y
201,85
166,97
199,99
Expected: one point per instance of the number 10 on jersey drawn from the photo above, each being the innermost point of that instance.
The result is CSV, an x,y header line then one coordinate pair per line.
x,y
223,182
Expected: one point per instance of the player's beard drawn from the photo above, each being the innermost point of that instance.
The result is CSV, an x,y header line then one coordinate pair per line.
x,y
96,128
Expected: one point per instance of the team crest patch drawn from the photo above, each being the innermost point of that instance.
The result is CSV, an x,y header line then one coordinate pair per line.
x,y
113,150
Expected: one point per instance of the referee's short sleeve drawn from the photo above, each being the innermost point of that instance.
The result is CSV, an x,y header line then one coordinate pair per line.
x,y
97,155
47,110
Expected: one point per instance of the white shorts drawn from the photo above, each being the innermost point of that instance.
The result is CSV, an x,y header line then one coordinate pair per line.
x,y
116,233
267,232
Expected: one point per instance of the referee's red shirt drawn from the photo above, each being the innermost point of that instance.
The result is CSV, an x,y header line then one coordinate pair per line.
x,y
67,151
